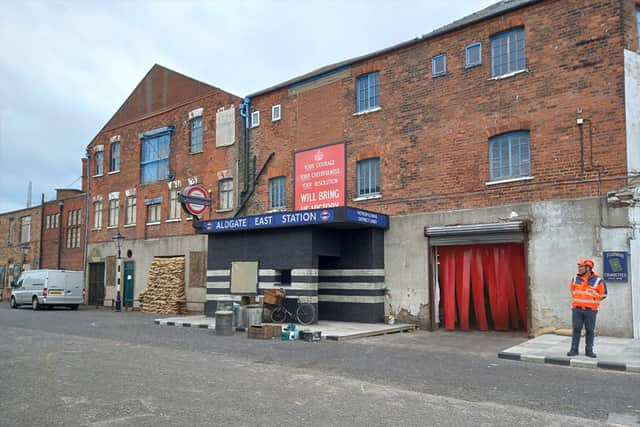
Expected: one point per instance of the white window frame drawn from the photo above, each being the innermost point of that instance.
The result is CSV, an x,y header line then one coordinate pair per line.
x,y
255,119
174,205
97,215
154,212
114,212
25,229
276,117
226,194
131,211
439,73
466,53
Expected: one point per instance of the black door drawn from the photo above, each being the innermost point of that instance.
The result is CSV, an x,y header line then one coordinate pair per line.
x,y
96,283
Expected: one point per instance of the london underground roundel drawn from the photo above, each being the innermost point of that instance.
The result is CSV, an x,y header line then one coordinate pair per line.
x,y
195,199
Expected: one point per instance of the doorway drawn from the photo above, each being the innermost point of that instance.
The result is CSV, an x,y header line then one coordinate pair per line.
x,y
96,283
129,268
482,287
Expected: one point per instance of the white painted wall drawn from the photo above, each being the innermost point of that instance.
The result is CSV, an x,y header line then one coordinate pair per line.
x,y
561,233
632,108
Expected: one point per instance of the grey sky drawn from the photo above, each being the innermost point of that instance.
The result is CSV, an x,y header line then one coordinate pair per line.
x,y
66,66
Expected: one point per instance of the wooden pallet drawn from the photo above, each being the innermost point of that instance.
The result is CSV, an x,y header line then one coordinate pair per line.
x,y
264,331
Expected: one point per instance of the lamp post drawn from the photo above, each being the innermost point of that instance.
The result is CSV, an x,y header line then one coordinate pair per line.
x,y
24,247
117,240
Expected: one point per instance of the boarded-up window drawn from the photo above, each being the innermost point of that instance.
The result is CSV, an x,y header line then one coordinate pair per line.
x,y
110,271
197,270
225,127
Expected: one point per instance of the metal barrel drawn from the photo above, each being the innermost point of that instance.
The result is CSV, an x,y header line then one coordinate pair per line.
x,y
224,321
252,315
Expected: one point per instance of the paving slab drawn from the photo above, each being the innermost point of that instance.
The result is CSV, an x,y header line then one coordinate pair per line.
x,y
331,330
618,354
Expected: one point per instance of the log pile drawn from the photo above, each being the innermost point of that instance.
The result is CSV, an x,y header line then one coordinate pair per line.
x,y
165,287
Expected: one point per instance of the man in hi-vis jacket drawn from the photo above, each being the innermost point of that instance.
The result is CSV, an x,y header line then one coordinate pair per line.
x,y
587,290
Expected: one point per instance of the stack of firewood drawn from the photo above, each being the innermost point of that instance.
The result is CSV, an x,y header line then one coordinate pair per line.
x,y
165,287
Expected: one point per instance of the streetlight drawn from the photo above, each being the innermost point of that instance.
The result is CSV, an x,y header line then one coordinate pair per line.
x,y
117,240
24,247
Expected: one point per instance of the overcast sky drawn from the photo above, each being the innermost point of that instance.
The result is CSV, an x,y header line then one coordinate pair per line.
x,y
67,66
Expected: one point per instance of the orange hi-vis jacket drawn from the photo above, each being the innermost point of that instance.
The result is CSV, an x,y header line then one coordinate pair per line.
x,y
588,291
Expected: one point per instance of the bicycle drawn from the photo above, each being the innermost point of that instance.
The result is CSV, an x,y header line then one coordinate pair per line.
x,y
305,312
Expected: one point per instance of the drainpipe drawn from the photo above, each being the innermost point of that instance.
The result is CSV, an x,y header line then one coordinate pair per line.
x,y
86,219
41,231
60,209
245,111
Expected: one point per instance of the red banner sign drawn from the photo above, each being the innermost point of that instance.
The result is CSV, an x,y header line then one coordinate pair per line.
x,y
320,178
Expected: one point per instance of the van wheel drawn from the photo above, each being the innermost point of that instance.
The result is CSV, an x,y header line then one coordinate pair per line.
x,y
35,304
12,303
73,307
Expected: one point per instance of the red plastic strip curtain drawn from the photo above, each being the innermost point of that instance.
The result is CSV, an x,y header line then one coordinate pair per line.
x,y
491,272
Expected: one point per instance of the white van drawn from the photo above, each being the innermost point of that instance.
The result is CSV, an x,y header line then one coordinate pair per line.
x,y
47,288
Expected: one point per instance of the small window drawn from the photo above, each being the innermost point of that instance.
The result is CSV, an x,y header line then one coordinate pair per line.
x,y
225,188
275,113
367,90
25,229
277,193
439,65
153,213
131,210
196,135
508,52
97,215
509,156
12,231
99,159
114,210
474,55
174,205
115,157
255,119
368,177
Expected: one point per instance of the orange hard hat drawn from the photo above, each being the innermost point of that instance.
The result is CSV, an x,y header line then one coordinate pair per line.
x,y
586,262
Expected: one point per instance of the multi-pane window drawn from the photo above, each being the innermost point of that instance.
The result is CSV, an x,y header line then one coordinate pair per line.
x,y
277,193
508,52
474,55
153,213
115,157
99,159
439,65
155,158
367,92
174,205
49,222
131,210
225,188
73,237
114,212
97,215
510,155
196,135
25,229
368,177
12,231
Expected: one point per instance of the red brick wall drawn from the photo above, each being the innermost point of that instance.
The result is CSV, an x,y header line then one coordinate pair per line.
x,y
432,134
204,165
71,256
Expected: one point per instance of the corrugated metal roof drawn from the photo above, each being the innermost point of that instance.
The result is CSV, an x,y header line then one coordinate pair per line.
x,y
496,9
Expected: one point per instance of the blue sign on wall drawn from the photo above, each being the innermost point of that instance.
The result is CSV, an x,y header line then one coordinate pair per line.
x,y
366,217
615,266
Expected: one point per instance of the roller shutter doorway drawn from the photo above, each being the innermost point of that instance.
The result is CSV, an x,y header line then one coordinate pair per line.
x,y
478,277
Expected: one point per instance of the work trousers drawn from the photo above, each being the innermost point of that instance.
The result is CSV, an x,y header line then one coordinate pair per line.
x,y
586,317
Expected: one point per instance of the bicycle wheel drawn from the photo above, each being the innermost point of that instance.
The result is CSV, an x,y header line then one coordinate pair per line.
x,y
305,313
278,314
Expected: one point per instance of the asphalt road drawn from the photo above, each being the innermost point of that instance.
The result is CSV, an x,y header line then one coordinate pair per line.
x,y
95,367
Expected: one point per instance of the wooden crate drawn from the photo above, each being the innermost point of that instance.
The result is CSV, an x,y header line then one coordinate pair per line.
x,y
264,331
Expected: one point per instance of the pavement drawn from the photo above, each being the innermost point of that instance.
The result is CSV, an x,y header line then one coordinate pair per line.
x,y
618,354
336,331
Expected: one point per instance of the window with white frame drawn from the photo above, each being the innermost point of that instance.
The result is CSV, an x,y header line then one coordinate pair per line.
x,y
25,229
114,212
153,213
439,65
97,215
49,218
255,119
174,205
368,179
12,231
195,144
225,188
99,160
473,55
57,220
154,163
367,92
277,193
115,157
508,52
131,210
509,156
275,113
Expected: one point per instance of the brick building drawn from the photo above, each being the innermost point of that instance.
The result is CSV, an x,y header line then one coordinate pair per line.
x,y
172,131
504,147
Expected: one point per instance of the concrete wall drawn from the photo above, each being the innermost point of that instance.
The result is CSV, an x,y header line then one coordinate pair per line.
x,y
143,252
632,108
561,233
